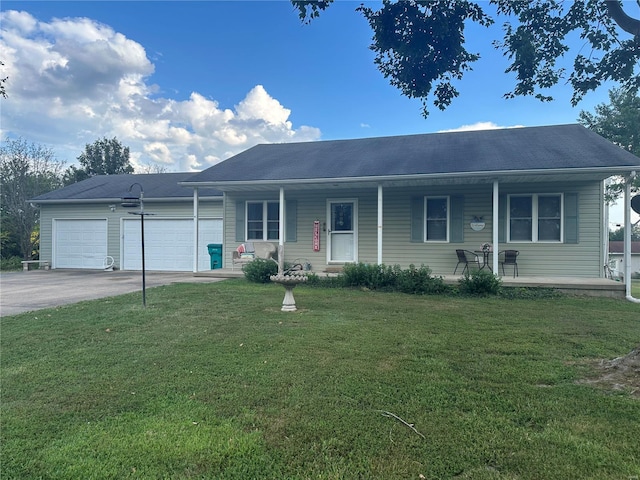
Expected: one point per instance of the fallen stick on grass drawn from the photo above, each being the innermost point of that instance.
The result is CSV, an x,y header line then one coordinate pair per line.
x,y
410,425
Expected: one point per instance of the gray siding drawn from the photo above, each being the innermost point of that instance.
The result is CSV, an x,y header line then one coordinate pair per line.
x,y
536,259
51,212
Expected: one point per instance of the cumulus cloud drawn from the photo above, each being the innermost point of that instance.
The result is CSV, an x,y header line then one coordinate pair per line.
x,y
478,126
74,80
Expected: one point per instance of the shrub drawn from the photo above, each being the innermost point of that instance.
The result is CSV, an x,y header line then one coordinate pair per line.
x,y
419,281
480,283
374,277
259,270
11,264
324,282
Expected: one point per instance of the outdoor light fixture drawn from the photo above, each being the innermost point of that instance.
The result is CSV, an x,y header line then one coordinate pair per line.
x,y
132,201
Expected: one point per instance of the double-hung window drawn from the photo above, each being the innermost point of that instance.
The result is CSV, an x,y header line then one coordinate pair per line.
x,y
436,223
535,218
263,219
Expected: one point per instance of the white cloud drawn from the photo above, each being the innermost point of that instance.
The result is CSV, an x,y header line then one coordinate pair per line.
x,y
74,80
478,126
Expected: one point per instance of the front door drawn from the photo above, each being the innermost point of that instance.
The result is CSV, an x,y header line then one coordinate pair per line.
x,y
342,234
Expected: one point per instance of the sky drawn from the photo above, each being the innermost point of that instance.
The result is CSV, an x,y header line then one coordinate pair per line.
x,y
186,85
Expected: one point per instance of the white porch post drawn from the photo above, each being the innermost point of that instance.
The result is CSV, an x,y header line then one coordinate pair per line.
x,y
281,232
379,224
627,238
196,225
495,226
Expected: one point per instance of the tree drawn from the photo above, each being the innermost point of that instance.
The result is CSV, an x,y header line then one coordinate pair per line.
x,y
26,171
619,122
102,157
619,234
420,44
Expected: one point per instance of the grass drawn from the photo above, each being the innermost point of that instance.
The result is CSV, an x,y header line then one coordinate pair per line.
x,y
213,381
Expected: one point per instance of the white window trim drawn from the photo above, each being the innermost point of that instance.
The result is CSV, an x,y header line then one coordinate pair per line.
x,y
534,217
265,220
424,233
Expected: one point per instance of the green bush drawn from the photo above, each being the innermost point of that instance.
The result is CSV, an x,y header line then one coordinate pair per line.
x,y
10,264
480,283
313,280
374,277
420,281
259,270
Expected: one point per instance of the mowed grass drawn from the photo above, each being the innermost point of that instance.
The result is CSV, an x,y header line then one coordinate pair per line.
x,y
214,381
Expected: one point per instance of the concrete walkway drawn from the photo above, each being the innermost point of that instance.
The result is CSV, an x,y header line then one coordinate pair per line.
x,y
26,291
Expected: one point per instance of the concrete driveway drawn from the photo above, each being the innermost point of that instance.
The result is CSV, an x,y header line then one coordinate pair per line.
x,y
36,289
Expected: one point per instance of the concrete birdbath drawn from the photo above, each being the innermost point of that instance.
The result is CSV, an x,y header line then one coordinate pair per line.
x,y
289,280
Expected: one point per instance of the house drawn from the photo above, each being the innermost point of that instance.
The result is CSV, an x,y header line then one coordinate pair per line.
x,y
616,256
416,199
84,224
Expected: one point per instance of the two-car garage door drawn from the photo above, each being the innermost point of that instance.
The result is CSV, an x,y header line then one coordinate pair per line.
x,y
168,243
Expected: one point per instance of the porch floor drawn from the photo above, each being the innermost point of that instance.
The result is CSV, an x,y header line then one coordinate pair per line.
x,y
599,287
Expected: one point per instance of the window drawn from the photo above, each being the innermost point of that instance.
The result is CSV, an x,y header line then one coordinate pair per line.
x,y
436,219
263,220
535,218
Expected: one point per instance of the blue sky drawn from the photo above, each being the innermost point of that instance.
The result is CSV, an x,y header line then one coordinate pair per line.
x,y
188,84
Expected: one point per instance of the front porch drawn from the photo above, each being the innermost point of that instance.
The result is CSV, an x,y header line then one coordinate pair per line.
x,y
595,287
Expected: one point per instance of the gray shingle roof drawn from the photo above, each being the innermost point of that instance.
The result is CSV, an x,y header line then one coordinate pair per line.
x,y
517,149
157,186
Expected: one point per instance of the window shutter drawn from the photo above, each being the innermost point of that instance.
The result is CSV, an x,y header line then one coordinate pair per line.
x,y
571,218
457,219
417,219
291,225
502,218
240,222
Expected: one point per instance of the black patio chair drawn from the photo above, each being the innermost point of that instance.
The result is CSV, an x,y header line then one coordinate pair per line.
x,y
510,257
466,257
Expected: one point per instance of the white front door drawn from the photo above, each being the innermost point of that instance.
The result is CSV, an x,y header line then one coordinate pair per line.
x,y
342,234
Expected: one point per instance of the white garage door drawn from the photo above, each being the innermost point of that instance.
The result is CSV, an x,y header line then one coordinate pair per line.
x,y
168,244
80,243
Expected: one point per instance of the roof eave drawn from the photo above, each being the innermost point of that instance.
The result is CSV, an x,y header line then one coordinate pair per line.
x,y
600,172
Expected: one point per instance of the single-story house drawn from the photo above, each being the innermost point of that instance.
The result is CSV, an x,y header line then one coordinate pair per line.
x,y
85,225
416,199
616,257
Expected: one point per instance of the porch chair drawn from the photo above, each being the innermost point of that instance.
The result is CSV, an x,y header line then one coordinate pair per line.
x,y
466,257
510,257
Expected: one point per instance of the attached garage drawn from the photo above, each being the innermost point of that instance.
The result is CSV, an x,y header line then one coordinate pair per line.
x,y
79,243
168,243
86,222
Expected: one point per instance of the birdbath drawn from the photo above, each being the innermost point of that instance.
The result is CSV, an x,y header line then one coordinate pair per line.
x,y
289,280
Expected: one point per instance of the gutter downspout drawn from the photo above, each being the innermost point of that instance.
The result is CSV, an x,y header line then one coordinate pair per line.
x,y
627,239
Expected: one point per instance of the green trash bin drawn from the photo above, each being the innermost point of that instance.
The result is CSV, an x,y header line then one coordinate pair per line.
x,y
215,252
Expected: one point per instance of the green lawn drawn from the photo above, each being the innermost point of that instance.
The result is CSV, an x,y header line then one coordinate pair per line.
x,y
213,381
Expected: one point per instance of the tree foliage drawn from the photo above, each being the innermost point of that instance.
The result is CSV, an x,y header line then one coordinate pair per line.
x,y
26,171
102,157
420,44
619,122
619,234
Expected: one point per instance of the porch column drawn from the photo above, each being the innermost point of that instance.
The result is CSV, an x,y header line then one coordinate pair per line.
x,y
379,224
627,238
495,226
196,226
281,224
